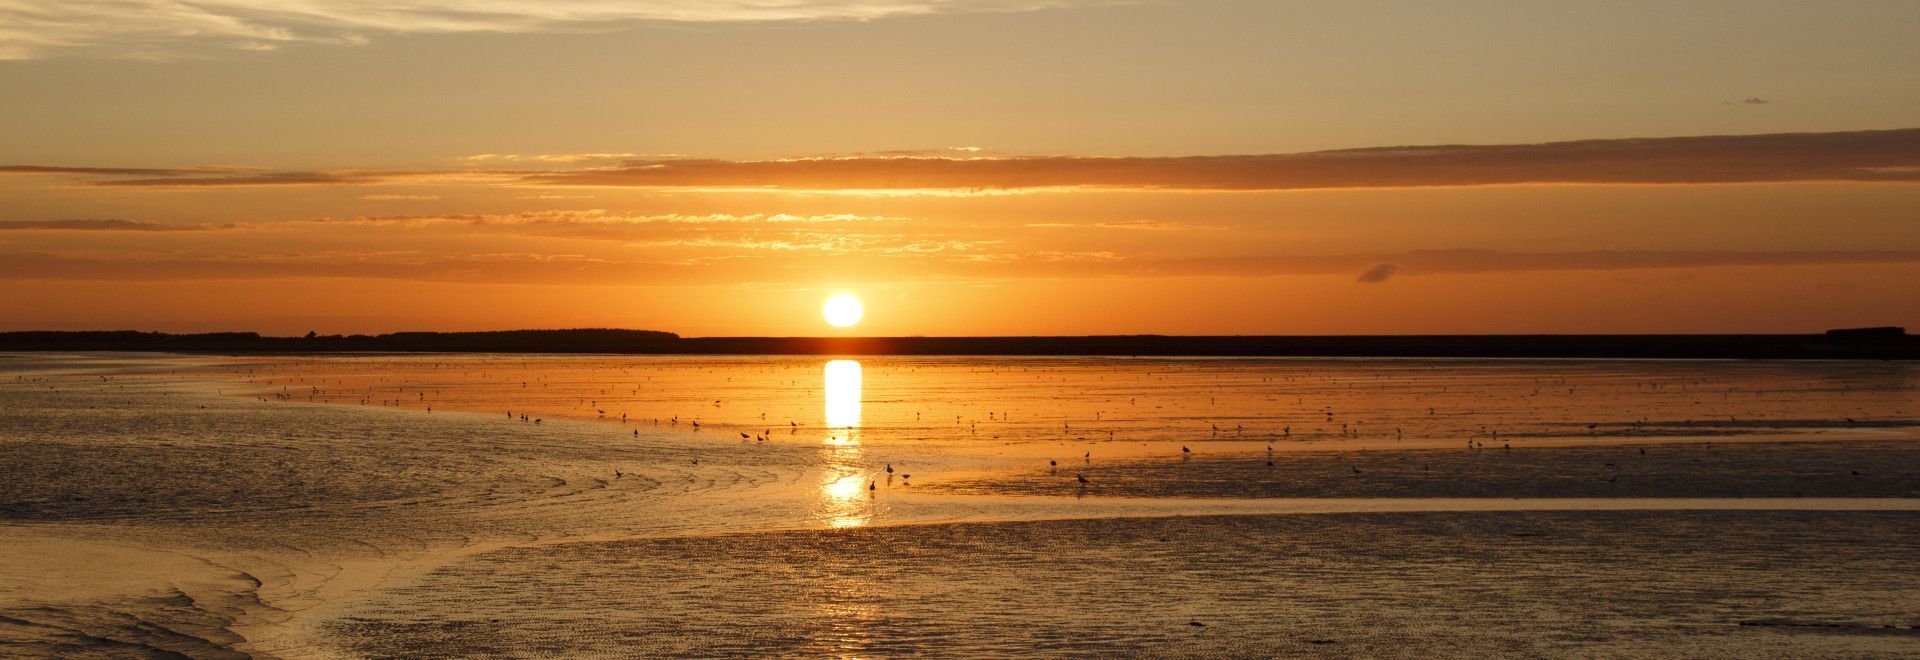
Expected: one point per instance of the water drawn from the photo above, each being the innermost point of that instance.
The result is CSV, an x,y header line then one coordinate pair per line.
x,y
400,505
1028,400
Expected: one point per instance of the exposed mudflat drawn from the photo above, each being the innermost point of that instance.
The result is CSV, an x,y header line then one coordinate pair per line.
x,y
459,506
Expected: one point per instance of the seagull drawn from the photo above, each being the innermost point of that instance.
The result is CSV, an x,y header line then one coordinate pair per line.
x,y
1082,478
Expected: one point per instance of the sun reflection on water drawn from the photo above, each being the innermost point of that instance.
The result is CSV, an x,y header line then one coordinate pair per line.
x,y
846,498
843,402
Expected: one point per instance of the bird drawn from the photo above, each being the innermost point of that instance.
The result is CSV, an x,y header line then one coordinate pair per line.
x,y
1185,450
1355,469
1082,478
870,486
889,468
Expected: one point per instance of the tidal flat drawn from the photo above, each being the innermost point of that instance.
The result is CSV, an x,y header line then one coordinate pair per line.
x,y
468,505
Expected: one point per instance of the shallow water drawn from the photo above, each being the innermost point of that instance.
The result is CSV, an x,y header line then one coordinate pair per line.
x,y
346,506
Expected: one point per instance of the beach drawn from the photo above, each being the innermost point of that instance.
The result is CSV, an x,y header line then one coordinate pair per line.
x,y
400,506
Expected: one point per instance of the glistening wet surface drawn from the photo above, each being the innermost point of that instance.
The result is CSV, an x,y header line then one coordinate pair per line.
x,y
381,505
1647,584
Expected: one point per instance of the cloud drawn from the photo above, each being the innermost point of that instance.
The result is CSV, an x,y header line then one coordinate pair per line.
x,y
100,225
555,158
107,171
1859,156
601,217
1378,273
1755,100
1848,156
248,180
398,198
238,177
747,258
1158,225
157,29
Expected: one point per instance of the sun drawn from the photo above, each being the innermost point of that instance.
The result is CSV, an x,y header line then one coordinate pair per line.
x,y
842,310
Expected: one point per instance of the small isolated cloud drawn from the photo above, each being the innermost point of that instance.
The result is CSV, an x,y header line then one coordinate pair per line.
x,y
1755,100
1379,273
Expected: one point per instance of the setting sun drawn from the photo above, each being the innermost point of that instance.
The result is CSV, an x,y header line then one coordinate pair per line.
x,y
375,321
842,310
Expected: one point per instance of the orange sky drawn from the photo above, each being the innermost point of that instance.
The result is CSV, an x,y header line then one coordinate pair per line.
x,y
965,168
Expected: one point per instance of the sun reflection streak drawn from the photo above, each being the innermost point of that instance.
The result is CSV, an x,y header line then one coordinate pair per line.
x,y
843,402
846,496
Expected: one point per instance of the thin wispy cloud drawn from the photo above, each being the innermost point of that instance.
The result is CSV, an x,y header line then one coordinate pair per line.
x,y
172,28
104,224
604,217
1848,156
555,158
745,258
1861,156
1159,225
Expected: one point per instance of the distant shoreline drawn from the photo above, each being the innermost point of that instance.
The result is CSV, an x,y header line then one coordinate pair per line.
x,y
1863,344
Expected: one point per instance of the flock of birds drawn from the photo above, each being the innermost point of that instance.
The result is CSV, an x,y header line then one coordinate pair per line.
x,y
1321,427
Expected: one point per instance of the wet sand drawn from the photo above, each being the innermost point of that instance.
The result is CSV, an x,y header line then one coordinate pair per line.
x,y
1641,584
1695,469
160,504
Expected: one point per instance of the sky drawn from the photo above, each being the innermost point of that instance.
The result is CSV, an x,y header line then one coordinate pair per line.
x,y
1000,167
